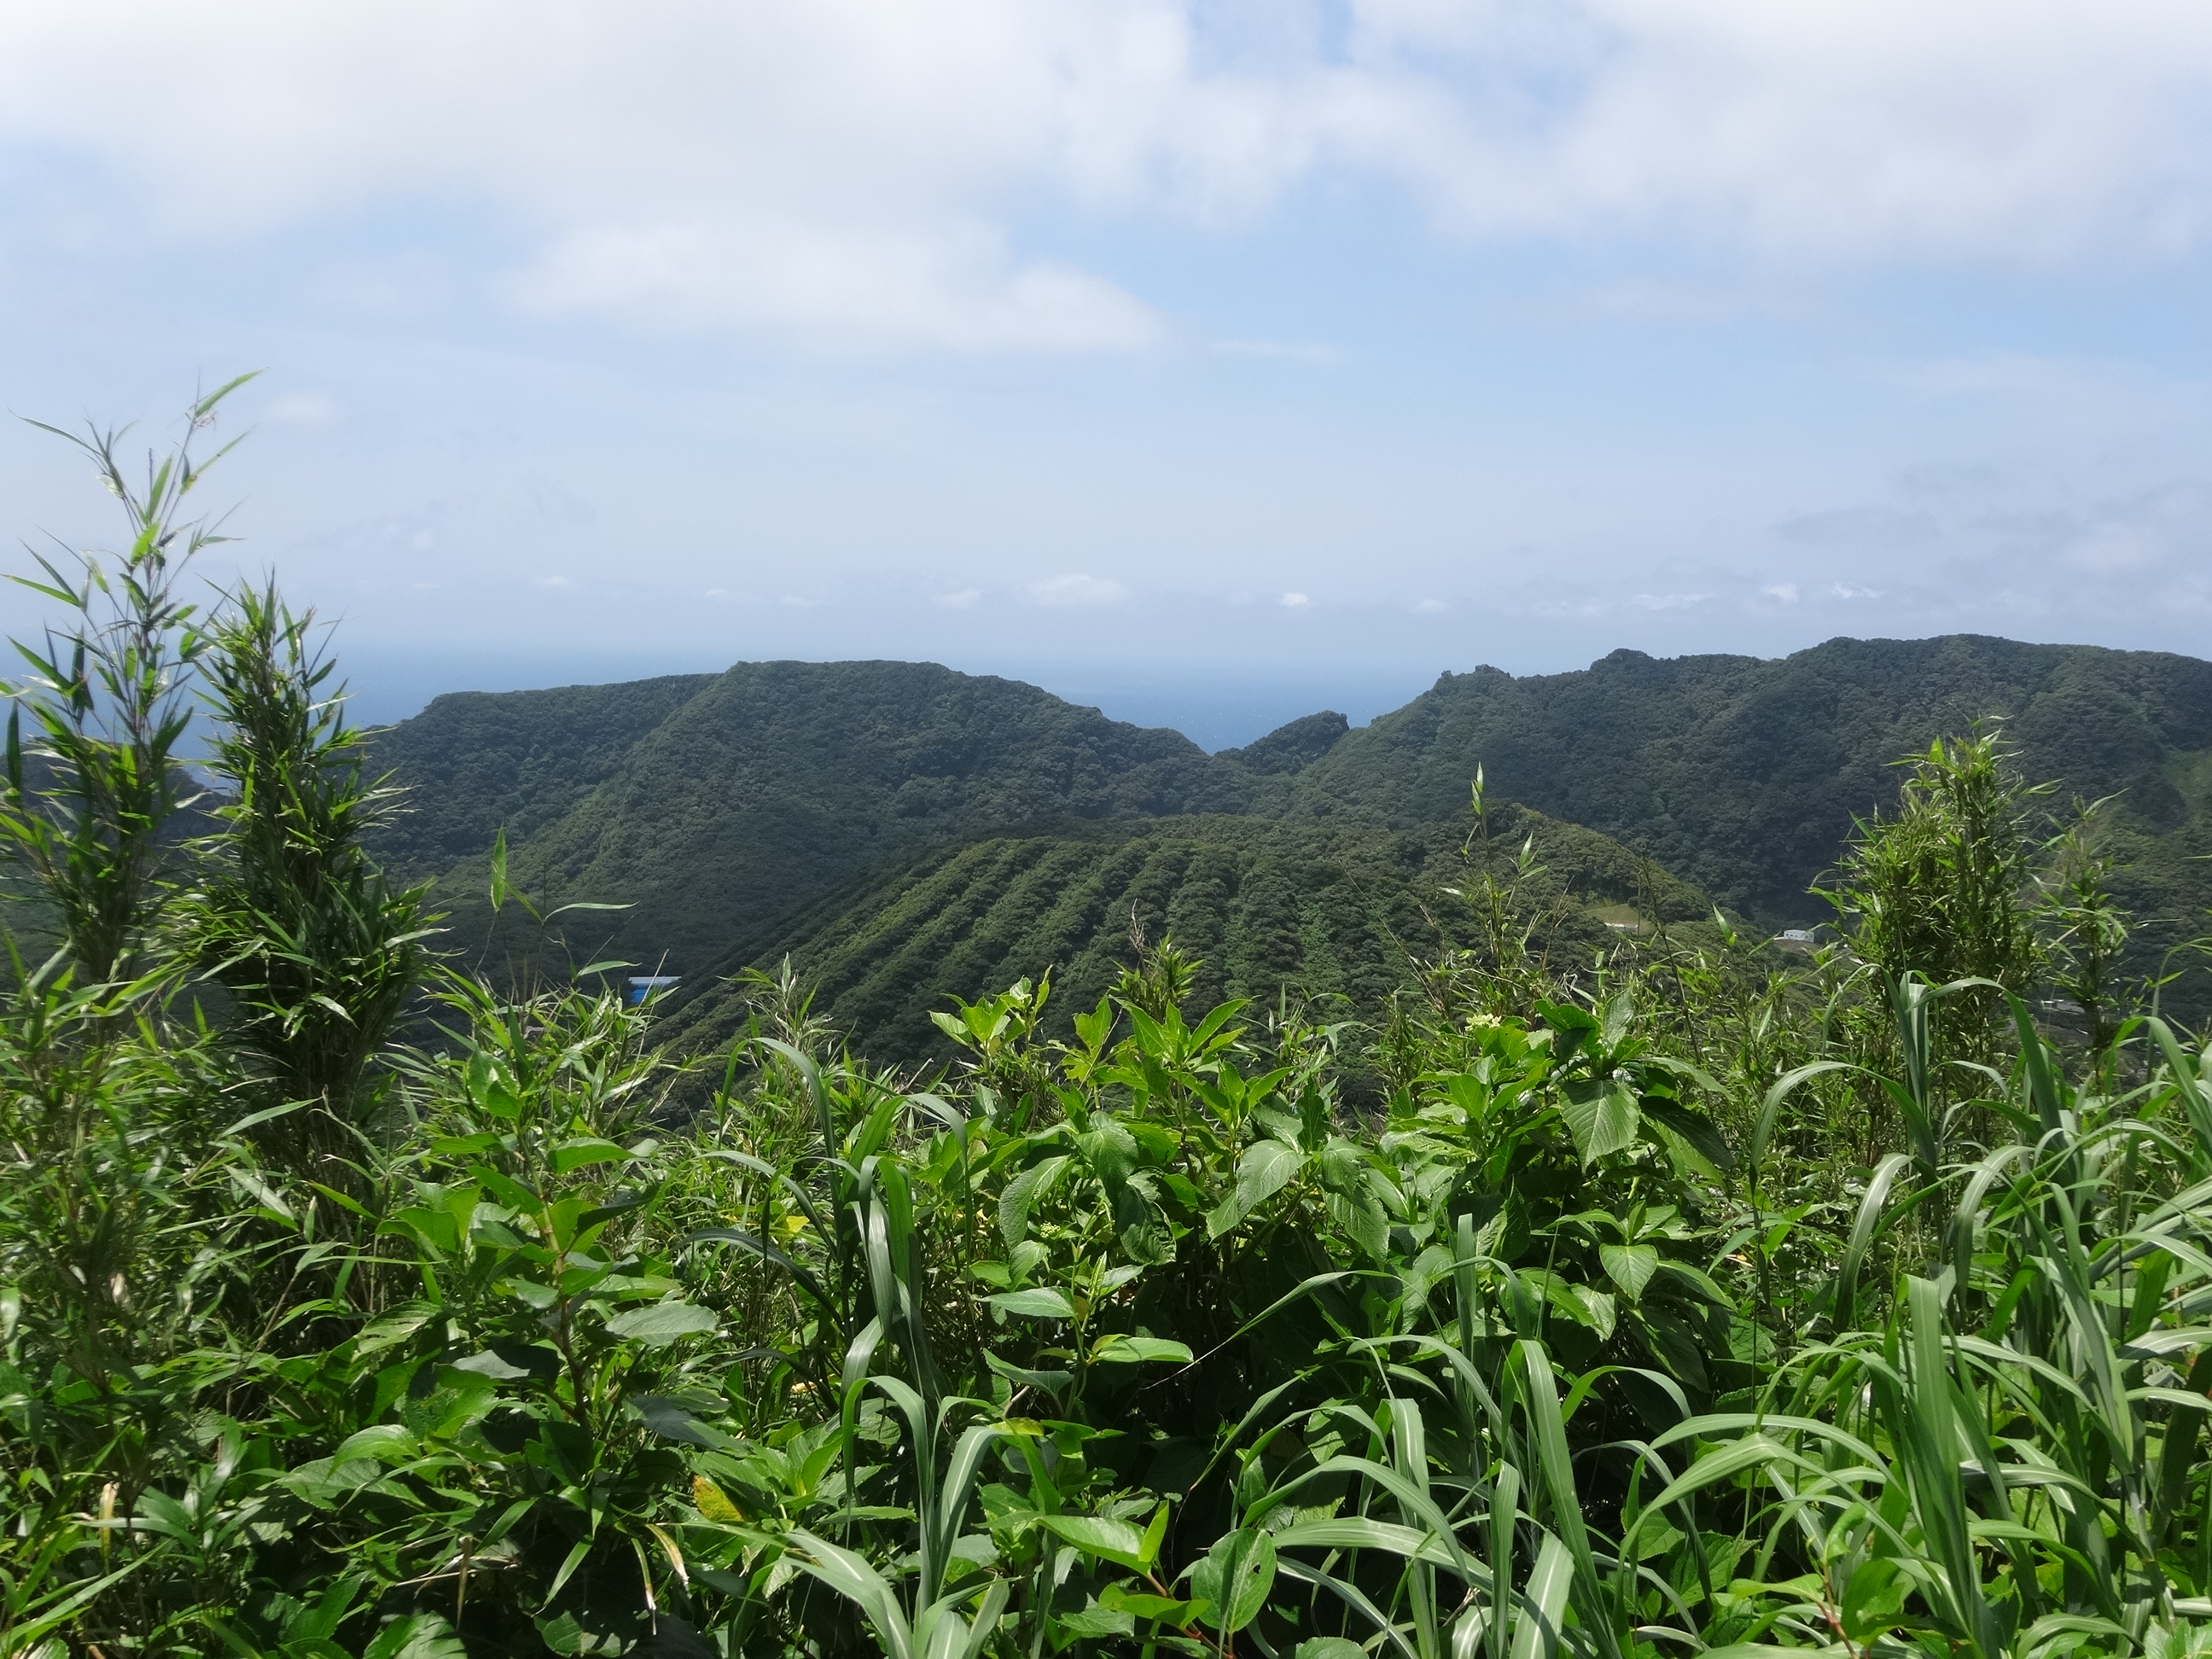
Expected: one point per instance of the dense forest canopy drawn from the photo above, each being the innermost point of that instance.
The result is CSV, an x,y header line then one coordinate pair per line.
x,y
1744,776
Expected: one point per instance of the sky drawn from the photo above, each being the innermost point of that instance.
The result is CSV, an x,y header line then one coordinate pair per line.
x,y
1212,362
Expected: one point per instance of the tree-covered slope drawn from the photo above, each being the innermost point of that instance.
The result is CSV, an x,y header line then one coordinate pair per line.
x,y
1290,749
774,783
475,762
1743,775
1335,910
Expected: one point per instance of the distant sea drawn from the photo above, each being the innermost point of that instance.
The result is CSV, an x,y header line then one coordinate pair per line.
x,y
1214,710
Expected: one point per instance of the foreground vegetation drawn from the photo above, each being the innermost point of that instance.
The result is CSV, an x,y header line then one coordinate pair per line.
x,y
1651,1299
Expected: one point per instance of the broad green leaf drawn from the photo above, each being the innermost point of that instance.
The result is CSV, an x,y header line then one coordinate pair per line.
x,y
1023,1191
1133,1350
1165,1608
387,1443
530,1293
459,1399
1110,1541
1090,1029
1097,1621
395,1327
1156,1531
1629,1266
1109,1148
1565,1016
1267,1167
659,1323
488,1363
1155,1141
1695,1130
1363,1223
1145,1238
418,1635
1047,1381
670,1421
1235,1576
1697,1282
1599,1312
575,1154
1041,1302
1580,1303
1603,1116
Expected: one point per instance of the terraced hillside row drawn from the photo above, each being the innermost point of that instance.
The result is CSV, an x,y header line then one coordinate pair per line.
x,y
1335,914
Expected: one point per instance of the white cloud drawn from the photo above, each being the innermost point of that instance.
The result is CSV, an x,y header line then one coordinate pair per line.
x,y
1781,593
1431,607
1669,601
305,409
1295,601
1846,591
858,167
1078,590
956,288
965,599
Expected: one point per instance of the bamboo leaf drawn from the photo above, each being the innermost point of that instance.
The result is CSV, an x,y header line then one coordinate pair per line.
x,y
1541,1610
1863,1228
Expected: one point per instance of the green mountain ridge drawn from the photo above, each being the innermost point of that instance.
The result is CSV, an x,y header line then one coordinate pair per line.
x,y
1743,774
841,813
768,786
479,762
